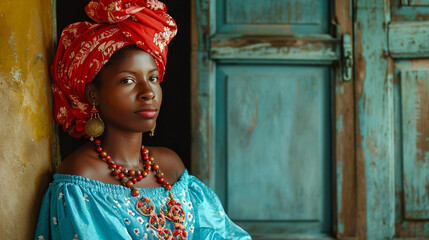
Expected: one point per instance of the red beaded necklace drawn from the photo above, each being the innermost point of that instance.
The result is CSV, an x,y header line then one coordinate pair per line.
x,y
172,210
129,177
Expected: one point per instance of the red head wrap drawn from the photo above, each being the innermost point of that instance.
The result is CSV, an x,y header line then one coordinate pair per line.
x,y
85,47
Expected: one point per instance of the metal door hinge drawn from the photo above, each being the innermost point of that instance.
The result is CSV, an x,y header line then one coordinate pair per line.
x,y
347,58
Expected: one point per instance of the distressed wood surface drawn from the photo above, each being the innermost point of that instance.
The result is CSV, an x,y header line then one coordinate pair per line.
x,y
272,17
277,125
202,139
392,97
409,39
404,12
411,116
415,142
343,145
411,165
375,132
415,2
317,47
219,44
272,12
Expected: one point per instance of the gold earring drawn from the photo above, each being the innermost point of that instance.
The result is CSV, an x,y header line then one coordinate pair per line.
x,y
152,131
95,126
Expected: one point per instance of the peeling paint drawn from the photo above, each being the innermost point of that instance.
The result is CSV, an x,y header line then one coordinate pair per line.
x,y
403,41
412,12
360,157
25,113
427,190
16,74
209,29
345,218
414,98
392,143
339,178
320,47
339,125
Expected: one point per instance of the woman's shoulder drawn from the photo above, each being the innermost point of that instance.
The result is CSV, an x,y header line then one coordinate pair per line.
x,y
82,162
169,162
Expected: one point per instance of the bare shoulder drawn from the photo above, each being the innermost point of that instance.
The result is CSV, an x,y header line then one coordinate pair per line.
x,y
83,162
169,162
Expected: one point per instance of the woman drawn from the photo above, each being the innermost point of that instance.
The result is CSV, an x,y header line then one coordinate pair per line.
x,y
107,87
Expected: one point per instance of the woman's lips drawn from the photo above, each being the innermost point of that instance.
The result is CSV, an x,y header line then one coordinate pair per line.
x,y
148,112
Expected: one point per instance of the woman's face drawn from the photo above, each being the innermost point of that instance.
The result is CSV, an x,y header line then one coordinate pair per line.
x,y
130,96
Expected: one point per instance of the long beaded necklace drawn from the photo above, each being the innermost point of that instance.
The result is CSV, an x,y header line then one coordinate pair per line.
x,y
129,177
172,210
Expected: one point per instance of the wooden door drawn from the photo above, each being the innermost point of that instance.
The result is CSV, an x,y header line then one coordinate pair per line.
x,y
272,117
392,99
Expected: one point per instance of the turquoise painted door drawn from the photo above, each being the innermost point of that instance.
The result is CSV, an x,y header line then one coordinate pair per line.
x,y
392,82
269,103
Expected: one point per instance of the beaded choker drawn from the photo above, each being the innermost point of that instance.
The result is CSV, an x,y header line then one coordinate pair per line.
x,y
129,177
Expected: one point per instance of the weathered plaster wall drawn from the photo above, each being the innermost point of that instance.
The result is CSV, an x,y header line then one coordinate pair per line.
x,y
26,132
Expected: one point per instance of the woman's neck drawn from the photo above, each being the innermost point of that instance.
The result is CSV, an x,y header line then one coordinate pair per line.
x,y
123,148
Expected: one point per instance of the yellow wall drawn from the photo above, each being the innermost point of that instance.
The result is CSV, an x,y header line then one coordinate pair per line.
x,y
26,125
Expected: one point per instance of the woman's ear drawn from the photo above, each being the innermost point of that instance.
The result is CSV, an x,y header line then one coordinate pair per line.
x,y
91,93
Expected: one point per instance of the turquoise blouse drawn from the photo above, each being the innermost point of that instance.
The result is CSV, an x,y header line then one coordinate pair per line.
x,y
75,207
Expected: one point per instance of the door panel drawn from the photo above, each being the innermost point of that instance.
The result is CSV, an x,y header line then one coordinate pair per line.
x,y
269,115
409,49
272,16
412,164
415,132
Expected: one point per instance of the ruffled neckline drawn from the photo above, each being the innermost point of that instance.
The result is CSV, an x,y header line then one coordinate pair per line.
x,y
114,189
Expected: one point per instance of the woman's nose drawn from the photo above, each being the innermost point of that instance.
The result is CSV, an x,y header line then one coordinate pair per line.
x,y
146,91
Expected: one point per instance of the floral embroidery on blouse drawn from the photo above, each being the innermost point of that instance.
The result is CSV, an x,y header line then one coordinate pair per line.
x,y
127,201
85,197
117,203
131,212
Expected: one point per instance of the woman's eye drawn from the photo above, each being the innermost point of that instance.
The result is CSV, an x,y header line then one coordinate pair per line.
x,y
127,80
154,78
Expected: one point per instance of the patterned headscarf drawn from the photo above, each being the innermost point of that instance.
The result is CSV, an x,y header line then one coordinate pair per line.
x,y
84,48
